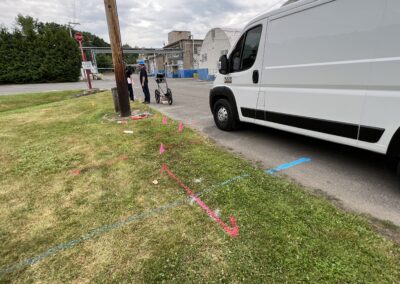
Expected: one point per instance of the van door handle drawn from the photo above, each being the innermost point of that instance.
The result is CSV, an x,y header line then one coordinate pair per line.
x,y
255,76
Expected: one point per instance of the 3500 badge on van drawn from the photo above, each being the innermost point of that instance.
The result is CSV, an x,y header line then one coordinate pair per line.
x,y
228,80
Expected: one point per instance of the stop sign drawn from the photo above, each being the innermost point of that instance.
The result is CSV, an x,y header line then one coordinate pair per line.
x,y
78,37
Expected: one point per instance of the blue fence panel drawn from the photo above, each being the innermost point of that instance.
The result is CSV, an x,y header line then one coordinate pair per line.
x,y
211,77
203,74
172,75
186,73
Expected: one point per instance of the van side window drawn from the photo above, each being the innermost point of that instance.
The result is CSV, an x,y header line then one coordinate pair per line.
x,y
245,53
250,48
236,55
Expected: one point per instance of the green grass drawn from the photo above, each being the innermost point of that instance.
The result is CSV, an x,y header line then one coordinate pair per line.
x,y
286,234
13,102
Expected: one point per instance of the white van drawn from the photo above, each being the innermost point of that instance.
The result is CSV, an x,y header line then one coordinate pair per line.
x,y
329,69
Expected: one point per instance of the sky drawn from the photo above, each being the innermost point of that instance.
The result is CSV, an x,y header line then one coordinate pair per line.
x,y
143,23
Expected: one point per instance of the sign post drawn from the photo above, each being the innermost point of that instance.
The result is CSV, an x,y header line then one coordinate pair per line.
x,y
79,38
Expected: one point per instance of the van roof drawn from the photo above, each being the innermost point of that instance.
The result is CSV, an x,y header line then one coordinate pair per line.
x,y
280,10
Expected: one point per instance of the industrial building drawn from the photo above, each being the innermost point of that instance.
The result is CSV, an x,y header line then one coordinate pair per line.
x,y
182,64
194,57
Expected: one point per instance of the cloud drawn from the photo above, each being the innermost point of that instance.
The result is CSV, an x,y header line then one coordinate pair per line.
x,y
143,23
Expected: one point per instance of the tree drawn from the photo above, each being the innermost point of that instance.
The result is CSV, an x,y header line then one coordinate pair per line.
x,y
91,40
38,52
104,61
28,25
129,58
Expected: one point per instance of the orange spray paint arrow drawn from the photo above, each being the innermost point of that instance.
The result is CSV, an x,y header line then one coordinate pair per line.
x,y
232,231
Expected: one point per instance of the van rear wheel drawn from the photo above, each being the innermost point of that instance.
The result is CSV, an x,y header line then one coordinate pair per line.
x,y
224,115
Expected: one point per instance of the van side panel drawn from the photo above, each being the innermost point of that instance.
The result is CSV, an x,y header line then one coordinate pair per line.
x,y
316,67
382,105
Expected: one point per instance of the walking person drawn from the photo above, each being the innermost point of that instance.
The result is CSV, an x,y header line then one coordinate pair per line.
x,y
130,84
145,83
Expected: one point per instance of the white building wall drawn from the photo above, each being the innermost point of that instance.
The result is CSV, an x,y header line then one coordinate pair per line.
x,y
216,43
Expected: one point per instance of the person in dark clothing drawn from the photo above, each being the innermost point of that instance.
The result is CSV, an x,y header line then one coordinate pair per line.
x,y
130,83
145,83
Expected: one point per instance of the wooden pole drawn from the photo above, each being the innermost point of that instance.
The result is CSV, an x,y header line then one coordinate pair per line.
x,y
118,57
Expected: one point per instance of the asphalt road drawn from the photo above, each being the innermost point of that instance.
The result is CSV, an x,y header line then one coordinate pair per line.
x,y
359,180
108,83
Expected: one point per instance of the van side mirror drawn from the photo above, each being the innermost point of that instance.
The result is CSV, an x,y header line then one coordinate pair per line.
x,y
223,65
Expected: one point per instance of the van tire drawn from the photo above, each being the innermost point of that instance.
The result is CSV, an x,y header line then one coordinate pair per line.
x,y
398,169
224,115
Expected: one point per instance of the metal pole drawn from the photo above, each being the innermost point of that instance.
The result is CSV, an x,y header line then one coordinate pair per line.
x,y
155,64
193,50
71,25
117,55
94,58
87,71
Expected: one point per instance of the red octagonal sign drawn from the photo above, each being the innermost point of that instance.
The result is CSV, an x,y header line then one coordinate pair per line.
x,y
78,36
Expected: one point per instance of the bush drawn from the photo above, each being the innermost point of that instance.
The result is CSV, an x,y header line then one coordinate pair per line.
x,y
38,52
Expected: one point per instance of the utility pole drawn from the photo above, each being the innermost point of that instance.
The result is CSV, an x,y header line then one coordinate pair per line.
x,y
117,56
70,26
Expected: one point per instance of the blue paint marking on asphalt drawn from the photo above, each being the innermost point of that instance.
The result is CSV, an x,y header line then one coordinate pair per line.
x,y
107,228
288,165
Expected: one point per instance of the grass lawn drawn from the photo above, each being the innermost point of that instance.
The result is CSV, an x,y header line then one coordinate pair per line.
x,y
111,223
22,101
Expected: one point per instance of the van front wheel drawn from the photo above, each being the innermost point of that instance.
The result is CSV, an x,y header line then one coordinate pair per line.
x,y
398,169
224,116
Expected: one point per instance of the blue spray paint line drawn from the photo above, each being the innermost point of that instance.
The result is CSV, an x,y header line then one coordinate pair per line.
x,y
107,228
224,183
288,165
219,185
97,232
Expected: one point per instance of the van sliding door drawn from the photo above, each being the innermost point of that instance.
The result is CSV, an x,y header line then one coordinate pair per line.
x,y
317,62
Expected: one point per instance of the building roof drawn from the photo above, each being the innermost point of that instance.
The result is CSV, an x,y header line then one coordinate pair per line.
x,y
179,31
232,34
185,39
